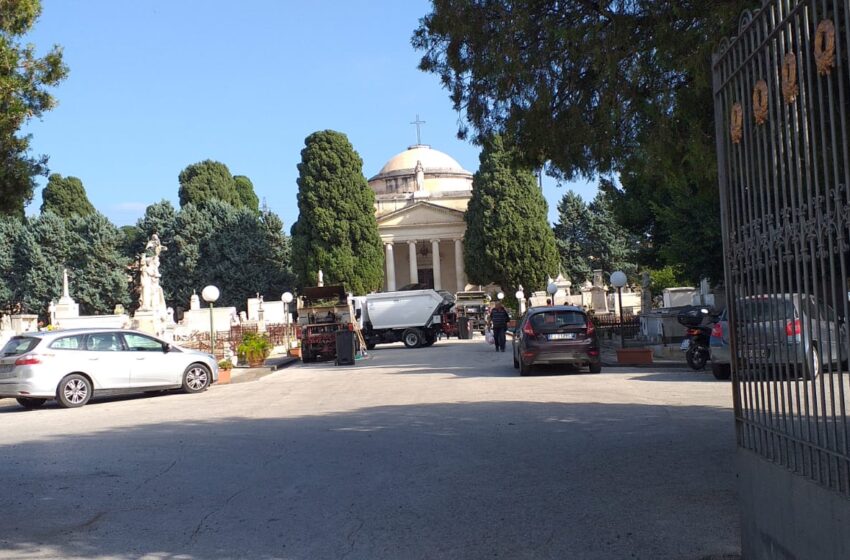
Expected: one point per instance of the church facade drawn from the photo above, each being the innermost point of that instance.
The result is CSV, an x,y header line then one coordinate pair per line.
x,y
420,197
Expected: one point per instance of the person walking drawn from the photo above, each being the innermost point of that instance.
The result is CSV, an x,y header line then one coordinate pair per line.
x,y
499,318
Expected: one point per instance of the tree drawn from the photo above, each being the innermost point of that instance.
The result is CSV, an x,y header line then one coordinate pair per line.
x,y
41,253
245,191
508,239
97,268
24,82
336,230
572,235
610,246
10,232
611,87
207,180
65,197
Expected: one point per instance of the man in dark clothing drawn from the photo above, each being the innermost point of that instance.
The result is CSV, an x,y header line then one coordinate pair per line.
x,y
499,323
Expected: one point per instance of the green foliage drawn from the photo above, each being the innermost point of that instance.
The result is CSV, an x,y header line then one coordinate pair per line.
x,y
599,87
254,348
11,230
508,239
245,191
336,230
572,235
24,79
96,266
207,180
611,246
667,277
236,249
65,197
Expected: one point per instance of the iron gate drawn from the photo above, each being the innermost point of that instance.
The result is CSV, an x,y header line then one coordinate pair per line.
x,y
781,105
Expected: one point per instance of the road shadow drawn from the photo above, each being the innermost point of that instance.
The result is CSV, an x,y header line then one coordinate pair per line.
x,y
465,480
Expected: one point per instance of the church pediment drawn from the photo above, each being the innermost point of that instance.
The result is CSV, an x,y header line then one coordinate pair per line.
x,y
421,214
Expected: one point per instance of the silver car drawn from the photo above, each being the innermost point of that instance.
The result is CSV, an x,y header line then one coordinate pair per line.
x,y
781,330
72,366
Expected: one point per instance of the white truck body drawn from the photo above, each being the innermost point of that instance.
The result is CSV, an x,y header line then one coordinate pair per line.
x,y
411,316
400,310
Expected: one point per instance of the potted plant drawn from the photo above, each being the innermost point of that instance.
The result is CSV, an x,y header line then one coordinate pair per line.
x,y
254,349
224,368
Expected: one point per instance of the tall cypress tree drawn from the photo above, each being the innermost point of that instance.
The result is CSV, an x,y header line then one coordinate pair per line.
x,y
508,239
65,197
336,230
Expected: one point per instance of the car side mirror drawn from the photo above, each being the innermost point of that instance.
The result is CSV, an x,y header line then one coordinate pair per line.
x,y
166,348
357,313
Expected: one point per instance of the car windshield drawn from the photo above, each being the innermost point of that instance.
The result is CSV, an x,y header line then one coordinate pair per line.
x,y
546,321
19,345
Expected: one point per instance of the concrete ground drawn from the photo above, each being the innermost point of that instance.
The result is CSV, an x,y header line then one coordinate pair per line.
x,y
441,452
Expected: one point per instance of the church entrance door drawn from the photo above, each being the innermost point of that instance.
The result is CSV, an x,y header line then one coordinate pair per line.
x,y
426,277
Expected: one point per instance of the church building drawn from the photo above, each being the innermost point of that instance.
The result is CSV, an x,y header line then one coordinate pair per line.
x,y
420,197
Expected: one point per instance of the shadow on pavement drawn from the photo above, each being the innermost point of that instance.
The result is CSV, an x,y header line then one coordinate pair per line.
x,y
465,480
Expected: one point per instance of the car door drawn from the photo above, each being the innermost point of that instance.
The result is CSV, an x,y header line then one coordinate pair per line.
x,y
105,360
150,362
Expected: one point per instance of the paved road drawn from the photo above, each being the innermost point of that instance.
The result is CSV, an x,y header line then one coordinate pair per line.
x,y
440,452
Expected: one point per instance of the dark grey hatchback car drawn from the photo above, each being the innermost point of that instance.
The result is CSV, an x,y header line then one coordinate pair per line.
x,y
557,334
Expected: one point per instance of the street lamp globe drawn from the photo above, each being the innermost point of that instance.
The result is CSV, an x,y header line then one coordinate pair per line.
x,y
210,294
500,296
618,279
286,297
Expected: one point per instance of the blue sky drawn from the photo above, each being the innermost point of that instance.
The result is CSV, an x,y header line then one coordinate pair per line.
x,y
156,85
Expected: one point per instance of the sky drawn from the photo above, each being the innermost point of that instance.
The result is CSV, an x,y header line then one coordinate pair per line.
x,y
156,85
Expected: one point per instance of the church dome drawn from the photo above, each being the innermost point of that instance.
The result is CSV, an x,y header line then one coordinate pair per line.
x,y
432,160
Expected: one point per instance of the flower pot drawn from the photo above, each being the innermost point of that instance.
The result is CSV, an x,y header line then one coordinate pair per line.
x,y
295,352
224,377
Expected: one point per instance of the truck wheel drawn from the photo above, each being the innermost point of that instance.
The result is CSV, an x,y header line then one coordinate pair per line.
x,y
412,338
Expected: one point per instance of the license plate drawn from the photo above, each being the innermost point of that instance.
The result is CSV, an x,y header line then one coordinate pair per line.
x,y
685,344
753,353
5,368
7,374
562,336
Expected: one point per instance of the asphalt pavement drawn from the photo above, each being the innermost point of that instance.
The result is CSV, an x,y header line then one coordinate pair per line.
x,y
440,452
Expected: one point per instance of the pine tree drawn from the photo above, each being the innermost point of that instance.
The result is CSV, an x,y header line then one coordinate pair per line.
x,y
245,191
10,231
207,180
96,266
508,239
611,246
572,234
336,230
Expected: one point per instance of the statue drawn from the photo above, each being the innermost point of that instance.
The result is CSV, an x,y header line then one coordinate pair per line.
x,y
321,278
5,323
420,176
151,295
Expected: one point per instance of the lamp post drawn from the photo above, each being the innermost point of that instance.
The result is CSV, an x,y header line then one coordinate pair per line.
x,y
552,289
520,298
210,295
286,298
618,280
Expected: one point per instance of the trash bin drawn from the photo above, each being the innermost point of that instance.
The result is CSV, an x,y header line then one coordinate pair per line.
x,y
463,328
345,348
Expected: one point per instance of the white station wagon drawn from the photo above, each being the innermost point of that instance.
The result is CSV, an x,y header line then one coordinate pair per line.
x,y
71,366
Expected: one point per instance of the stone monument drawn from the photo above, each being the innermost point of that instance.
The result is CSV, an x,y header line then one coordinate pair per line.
x,y
152,315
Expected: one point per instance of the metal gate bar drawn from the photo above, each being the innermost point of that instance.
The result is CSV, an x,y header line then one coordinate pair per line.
x,y
781,106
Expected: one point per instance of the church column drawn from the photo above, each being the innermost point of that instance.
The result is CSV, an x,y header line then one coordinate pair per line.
x,y
390,268
435,251
414,266
459,271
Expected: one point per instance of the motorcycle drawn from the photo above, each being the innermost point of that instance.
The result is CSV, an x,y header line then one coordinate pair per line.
x,y
696,344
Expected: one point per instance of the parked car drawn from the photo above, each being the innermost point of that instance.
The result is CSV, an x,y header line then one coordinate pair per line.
x,y
558,334
72,366
781,329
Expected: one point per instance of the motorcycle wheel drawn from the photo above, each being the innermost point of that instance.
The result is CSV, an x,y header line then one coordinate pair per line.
x,y
697,356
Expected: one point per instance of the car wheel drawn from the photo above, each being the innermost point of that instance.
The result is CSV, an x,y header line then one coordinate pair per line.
x,y
30,403
412,338
721,371
74,391
196,378
595,368
812,368
524,369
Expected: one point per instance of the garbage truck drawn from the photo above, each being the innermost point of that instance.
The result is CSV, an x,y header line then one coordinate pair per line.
x,y
415,317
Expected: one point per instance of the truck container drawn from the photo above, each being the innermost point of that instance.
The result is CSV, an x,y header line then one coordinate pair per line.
x,y
414,317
